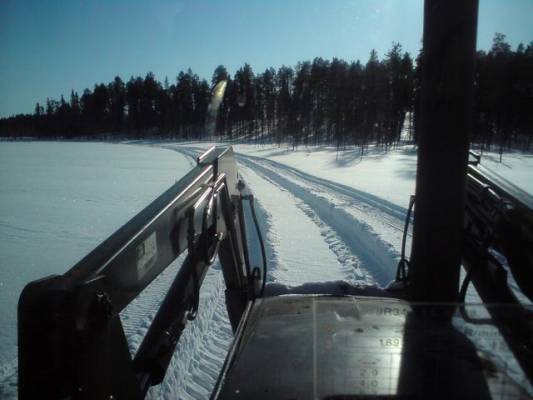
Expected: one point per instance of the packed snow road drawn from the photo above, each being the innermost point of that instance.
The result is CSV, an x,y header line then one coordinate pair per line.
x,y
362,232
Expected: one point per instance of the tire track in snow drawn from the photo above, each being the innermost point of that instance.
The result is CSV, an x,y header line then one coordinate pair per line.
x,y
381,222
350,238
202,348
378,257
364,201
299,238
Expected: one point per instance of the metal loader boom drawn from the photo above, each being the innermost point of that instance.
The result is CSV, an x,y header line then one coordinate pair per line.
x,y
71,340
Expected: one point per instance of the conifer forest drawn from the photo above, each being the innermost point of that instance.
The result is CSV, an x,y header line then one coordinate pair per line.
x,y
332,102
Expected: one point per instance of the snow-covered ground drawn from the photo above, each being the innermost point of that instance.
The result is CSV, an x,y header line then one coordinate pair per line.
x,y
326,216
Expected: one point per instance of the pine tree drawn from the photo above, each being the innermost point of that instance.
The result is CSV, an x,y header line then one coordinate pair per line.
x,y
220,74
318,82
117,97
284,103
245,113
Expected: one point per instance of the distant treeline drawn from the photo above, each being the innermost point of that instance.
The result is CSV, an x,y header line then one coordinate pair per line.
x,y
316,102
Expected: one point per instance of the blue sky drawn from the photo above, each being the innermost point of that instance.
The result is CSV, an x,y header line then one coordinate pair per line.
x,y
48,48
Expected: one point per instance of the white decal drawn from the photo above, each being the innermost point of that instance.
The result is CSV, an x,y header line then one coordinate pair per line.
x,y
146,255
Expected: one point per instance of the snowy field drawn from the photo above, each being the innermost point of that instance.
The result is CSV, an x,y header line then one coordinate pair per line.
x,y
326,216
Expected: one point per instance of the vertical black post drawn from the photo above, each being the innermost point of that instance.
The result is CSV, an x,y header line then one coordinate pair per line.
x,y
447,91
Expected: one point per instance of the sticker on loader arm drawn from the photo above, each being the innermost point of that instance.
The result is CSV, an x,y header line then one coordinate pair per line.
x,y
146,255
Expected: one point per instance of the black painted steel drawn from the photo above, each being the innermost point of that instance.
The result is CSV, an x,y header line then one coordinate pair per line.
x,y
449,45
